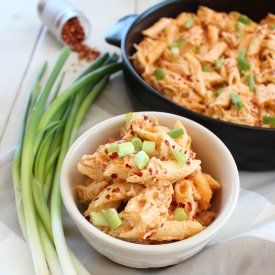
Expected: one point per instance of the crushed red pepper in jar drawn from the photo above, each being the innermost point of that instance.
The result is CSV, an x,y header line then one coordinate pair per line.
x,y
73,35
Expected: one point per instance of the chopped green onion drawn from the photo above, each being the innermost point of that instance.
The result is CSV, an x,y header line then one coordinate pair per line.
x,y
126,127
242,54
175,50
137,143
269,120
179,156
141,159
251,82
125,149
195,50
219,64
239,25
205,68
160,74
218,92
189,23
149,147
272,27
179,214
85,203
98,219
178,43
245,65
175,133
236,100
112,148
239,34
112,217
244,20
128,117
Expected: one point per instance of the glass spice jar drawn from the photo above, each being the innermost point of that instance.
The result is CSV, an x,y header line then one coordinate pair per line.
x,y
55,14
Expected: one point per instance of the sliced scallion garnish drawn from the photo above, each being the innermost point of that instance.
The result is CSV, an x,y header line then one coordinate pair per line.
x,y
205,68
160,74
125,149
272,27
141,159
219,64
251,82
179,214
269,120
112,217
239,34
189,23
218,92
128,117
239,25
244,20
98,219
137,143
195,50
175,50
175,133
112,148
245,65
179,156
236,100
242,54
178,43
149,147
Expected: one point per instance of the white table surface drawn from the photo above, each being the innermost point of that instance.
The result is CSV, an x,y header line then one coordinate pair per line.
x,y
246,243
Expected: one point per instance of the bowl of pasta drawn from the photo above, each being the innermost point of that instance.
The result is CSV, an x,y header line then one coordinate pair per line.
x,y
210,61
149,189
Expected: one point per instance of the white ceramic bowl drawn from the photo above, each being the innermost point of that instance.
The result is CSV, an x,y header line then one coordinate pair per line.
x,y
216,160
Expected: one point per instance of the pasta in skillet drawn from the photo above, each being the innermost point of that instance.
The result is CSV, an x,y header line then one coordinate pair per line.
x,y
148,198
221,65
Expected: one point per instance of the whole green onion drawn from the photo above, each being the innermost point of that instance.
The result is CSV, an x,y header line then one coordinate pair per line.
x,y
175,133
236,100
244,20
189,23
251,82
269,120
159,73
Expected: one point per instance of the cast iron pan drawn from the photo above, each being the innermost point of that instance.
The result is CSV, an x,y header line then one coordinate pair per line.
x,y
252,147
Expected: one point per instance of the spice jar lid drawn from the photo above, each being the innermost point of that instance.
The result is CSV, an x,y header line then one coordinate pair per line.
x,y
55,14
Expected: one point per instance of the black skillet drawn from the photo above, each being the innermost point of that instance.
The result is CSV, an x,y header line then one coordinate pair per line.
x,y
252,147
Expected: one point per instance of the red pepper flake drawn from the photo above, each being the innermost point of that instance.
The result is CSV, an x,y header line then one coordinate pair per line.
x,y
145,117
95,199
138,174
113,155
182,205
188,162
141,127
161,225
107,197
111,140
165,172
104,166
170,213
157,171
190,204
185,152
194,216
88,218
163,159
107,189
174,203
127,165
73,35
131,127
153,241
186,178
153,125
114,176
167,142
151,170
151,234
152,204
132,132
116,190
173,146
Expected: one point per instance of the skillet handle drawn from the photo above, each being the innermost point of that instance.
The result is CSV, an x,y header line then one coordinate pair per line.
x,y
116,32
